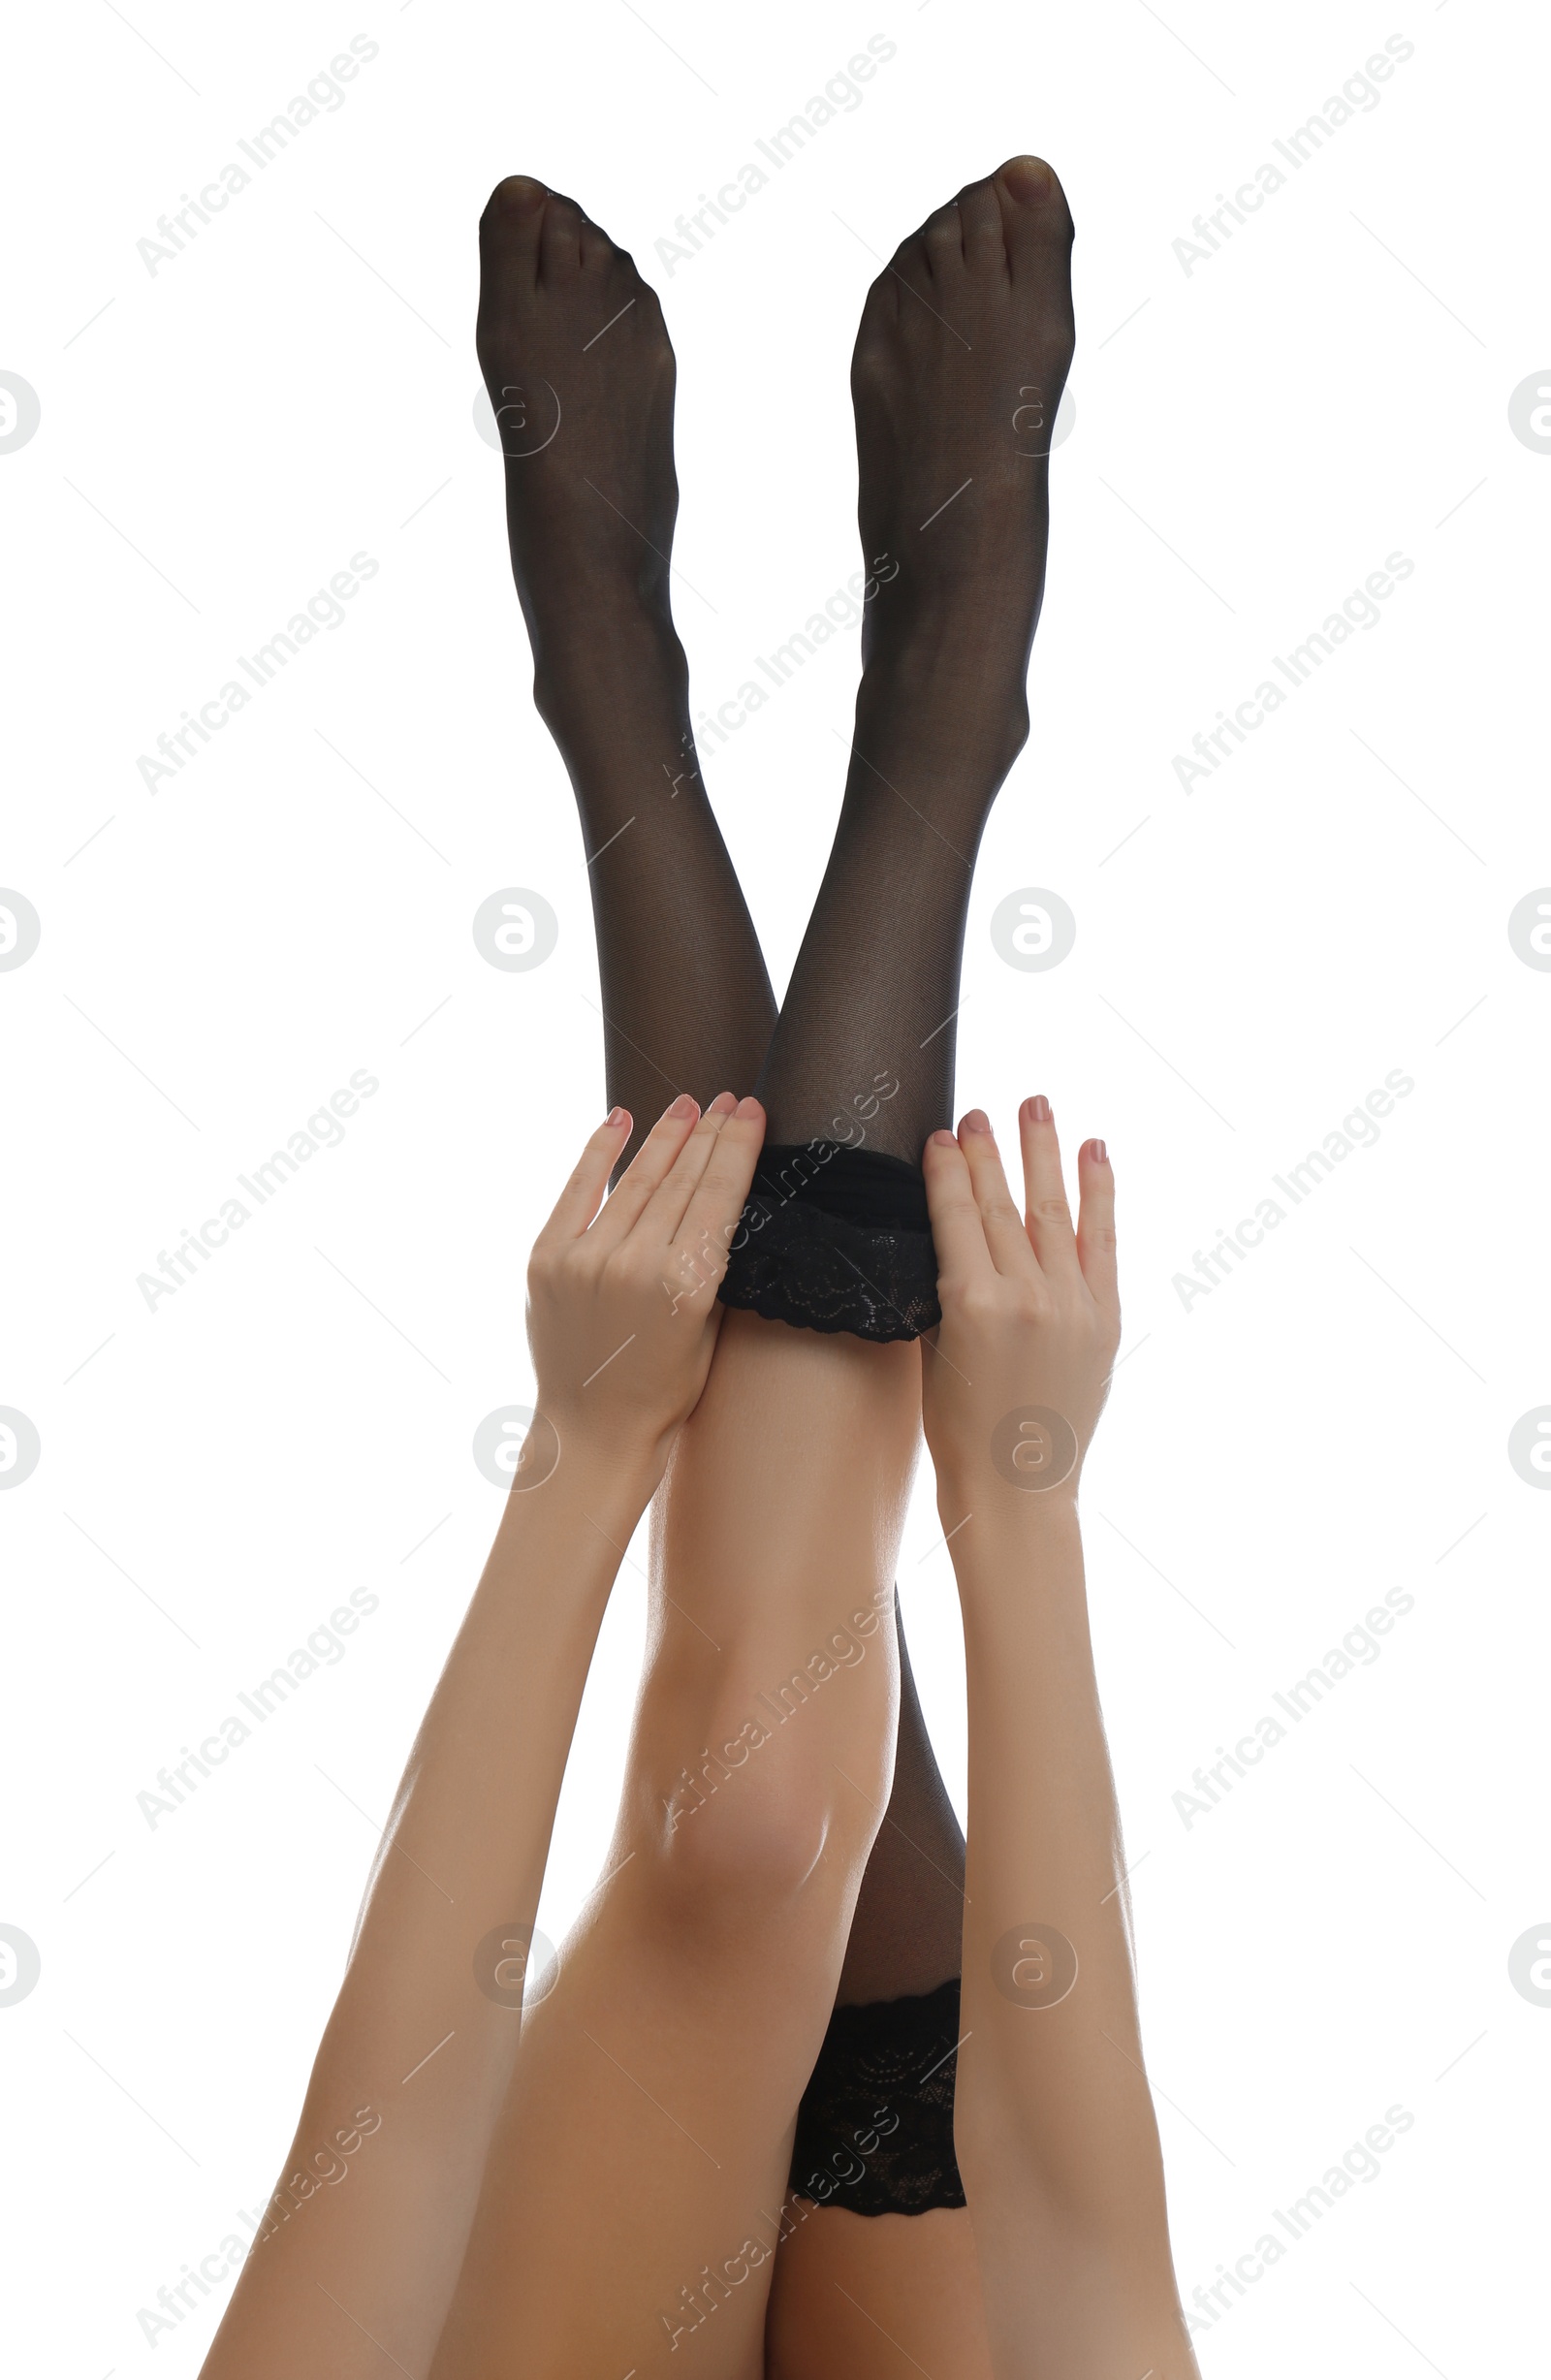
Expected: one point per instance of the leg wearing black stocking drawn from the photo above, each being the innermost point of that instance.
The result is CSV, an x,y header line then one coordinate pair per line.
x,y
959,367
909,1926
579,370
960,364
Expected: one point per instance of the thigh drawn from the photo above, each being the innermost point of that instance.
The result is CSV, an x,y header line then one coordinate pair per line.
x,y
633,2196
867,2297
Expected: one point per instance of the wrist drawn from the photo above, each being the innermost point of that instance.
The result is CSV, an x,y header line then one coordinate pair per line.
x,y
573,1471
984,1520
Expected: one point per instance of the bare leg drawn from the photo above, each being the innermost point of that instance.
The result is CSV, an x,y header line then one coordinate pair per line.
x,y
855,2295
635,2183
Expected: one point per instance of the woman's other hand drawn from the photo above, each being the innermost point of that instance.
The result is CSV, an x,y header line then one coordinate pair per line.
x,y
1031,1312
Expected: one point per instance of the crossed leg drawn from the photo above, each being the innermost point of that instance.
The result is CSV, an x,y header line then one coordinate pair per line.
x,y
650,2115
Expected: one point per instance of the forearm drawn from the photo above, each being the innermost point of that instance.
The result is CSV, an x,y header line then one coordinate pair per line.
x,y
1054,2122
418,2049
465,1843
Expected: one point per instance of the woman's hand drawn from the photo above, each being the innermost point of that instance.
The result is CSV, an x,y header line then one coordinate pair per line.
x,y
1031,1313
622,1314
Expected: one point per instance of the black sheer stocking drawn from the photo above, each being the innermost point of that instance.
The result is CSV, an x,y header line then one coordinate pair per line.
x,y
580,374
959,367
908,1924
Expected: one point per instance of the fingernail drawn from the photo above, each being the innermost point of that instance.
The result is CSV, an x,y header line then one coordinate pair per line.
x,y
615,1118
1039,1108
976,1121
722,1105
943,1140
683,1106
748,1107
1098,1153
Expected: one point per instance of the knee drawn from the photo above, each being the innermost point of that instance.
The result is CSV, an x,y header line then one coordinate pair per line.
x,y
744,1831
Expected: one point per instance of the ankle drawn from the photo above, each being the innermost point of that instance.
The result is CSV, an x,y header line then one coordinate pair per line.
x,y
629,644
947,686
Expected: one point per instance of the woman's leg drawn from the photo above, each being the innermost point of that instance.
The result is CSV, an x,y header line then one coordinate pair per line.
x,y
581,374
961,356
634,2189
567,326
654,2100
960,360
685,999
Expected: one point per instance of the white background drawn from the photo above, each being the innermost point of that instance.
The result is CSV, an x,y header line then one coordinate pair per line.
x,y
1253,438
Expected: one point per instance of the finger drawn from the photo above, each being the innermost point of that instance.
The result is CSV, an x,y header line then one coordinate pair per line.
x,y
665,1209
957,1231
1050,1218
583,1194
1005,1234
1096,1223
652,1163
710,1219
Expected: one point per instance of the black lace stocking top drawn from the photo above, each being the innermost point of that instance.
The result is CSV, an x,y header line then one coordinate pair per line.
x,y
874,2130
832,1238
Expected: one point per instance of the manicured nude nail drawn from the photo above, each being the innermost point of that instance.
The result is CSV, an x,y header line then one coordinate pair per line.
x,y
683,1106
1039,1109
1098,1153
976,1121
748,1107
722,1105
615,1117
943,1140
